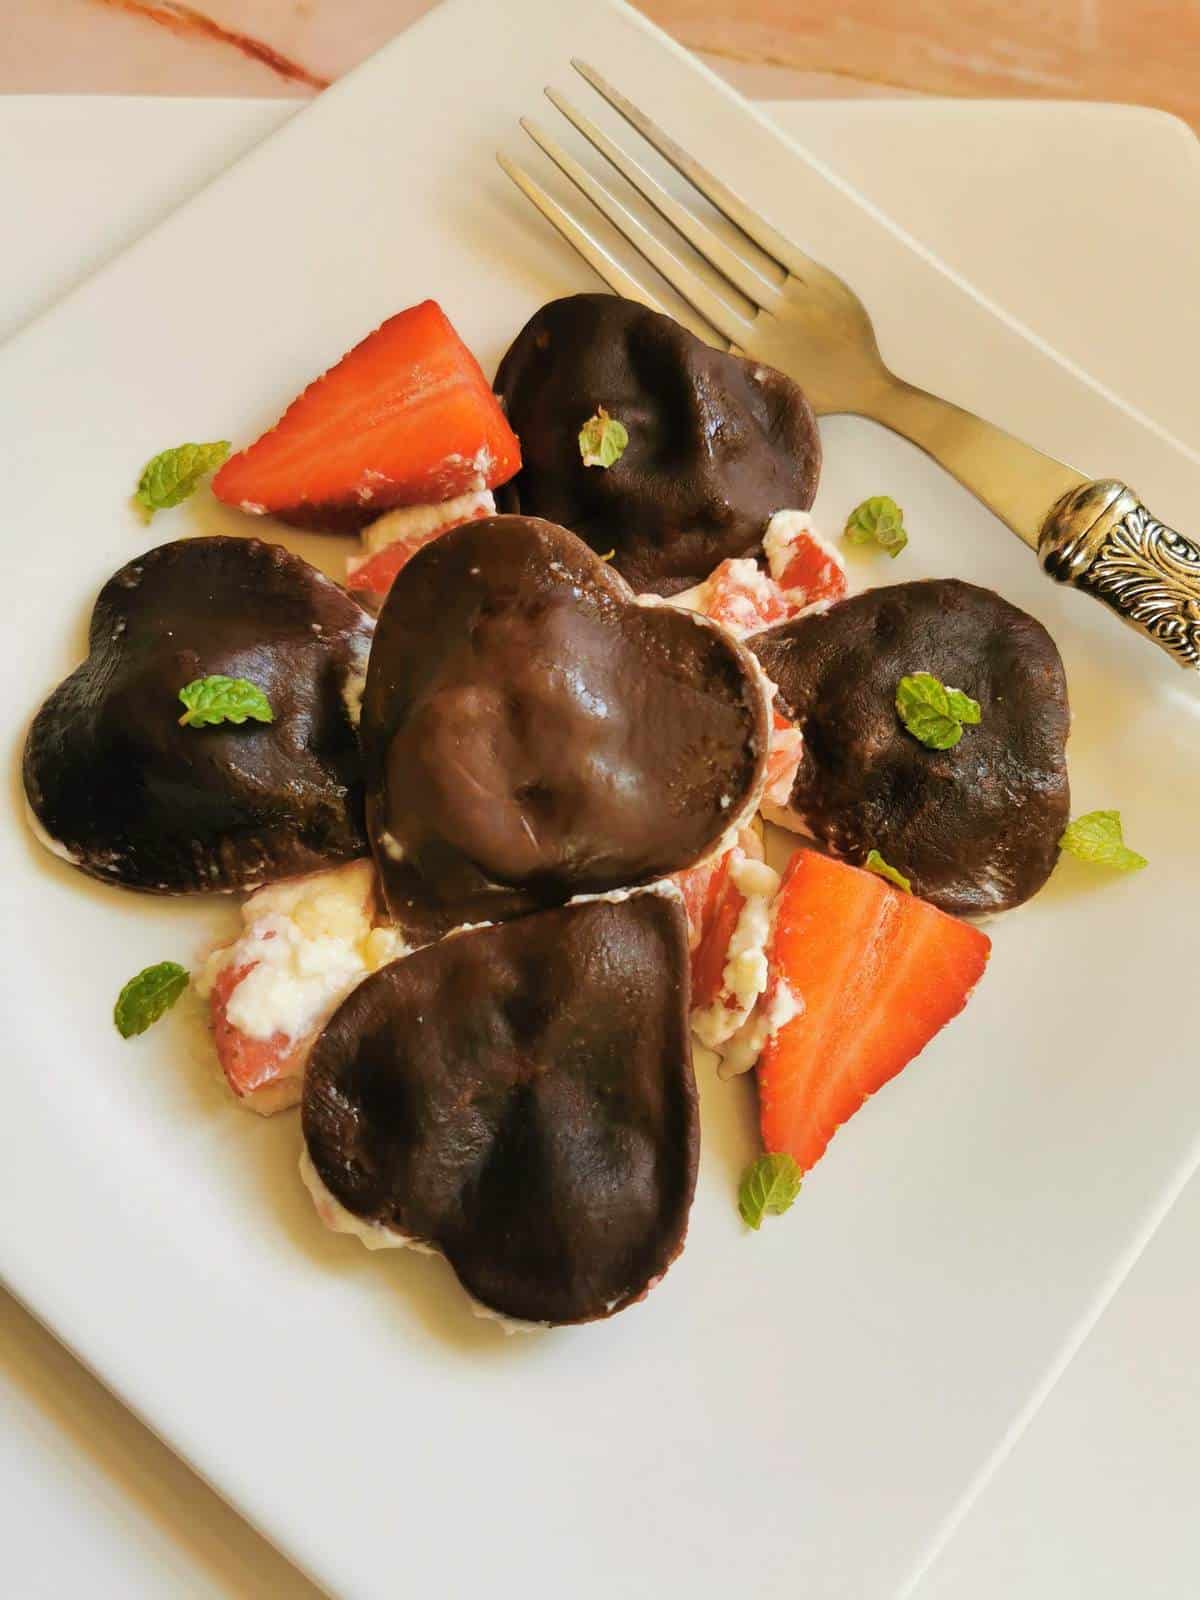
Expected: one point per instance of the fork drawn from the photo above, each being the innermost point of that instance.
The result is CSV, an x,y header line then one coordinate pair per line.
x,y
765,298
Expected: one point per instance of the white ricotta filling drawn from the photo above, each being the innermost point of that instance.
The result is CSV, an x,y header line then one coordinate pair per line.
x,y
751,1039
746,971
413,523
779,541
307,943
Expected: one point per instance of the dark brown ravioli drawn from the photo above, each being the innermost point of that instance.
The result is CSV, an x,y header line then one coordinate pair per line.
x,y
976,828
139,801
533,733
522,1098
717,443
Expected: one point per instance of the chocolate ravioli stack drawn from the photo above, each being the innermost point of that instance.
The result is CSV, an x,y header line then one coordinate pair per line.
x,y
541,751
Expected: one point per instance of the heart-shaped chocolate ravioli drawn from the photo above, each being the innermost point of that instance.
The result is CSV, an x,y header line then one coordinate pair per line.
x,y
521,1097
131,797
975,827
717,443
532,732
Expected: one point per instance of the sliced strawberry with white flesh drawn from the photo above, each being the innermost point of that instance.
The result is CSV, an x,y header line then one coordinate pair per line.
x,y
306,943
805,566
728,900
392,541
783,759
405,418
731,968
876,973
740,596
702,886
266,1073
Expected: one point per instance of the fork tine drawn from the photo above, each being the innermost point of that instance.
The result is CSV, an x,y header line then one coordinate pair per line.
x,y
760,291
731,205
681,277
592,251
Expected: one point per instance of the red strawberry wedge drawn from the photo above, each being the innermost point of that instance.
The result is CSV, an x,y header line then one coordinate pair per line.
x,y
877,973
405,418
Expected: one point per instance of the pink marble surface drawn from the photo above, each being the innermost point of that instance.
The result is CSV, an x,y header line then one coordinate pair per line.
x,y
255,47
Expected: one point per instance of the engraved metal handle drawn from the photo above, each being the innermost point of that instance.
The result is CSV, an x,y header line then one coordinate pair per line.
x,y
1101,539
1098,537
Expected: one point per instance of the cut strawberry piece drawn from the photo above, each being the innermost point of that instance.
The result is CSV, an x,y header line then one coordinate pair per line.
x,y
804,566
406,418
783,758
392,542
266,1073
740,596
699,887
877,973
724,907
702,886
305,943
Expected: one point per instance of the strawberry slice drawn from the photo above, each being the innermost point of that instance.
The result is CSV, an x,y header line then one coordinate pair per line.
x,y
724,907
391,543
803,565
783,758
266,1073
740,596
406,418
877,973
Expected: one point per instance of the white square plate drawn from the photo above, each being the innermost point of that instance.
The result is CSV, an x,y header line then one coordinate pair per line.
x,y
790,1413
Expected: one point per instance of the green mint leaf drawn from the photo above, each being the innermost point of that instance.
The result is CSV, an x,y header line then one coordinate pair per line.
x,y
172,475
877,521
875,863
145,998
1096,837
962,708
602,440
220,699
932,713
768,1188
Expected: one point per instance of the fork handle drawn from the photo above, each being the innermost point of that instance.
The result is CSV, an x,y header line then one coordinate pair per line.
x,y
1100,538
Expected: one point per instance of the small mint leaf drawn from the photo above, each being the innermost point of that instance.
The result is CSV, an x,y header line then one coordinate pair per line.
x,y
602,440
768,1188
221,699
875,863
877,521
1097,837
145,998
963,708
172,475
932,713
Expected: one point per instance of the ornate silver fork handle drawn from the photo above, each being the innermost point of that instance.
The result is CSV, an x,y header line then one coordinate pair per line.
x,y
1102,539
1094,535
770,300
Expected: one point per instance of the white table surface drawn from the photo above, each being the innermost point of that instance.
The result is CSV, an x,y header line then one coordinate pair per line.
x,y
1096,1496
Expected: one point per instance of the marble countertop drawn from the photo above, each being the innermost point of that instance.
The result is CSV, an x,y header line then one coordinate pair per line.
x,y
1125,50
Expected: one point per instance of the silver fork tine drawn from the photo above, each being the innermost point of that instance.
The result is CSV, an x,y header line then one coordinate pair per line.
x,y
731,205
758,290
592,251
596,255
678,274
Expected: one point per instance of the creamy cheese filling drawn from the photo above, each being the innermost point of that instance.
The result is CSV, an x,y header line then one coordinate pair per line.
x,y
418,522
748,1043
746,971
307,943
